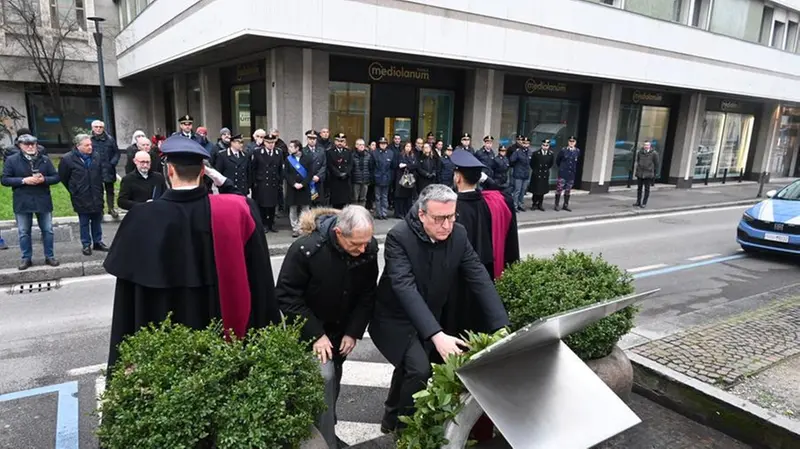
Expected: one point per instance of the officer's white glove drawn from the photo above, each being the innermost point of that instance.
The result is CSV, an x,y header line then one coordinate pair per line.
x,y
215,176
484,177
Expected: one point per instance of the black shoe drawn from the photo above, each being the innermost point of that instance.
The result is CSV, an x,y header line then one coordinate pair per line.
x,y
87,251
52,261
272,229
566,208
386,427
25,265
643,205
637,204
114,214
540,207
100,247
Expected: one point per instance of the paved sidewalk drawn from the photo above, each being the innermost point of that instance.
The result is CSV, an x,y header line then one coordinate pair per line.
x,y
617,203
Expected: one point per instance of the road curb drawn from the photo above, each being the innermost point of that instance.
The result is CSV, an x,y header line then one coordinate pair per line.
x,y
714,407
94,267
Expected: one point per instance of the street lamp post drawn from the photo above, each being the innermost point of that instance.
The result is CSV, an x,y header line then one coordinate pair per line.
x,y
98,40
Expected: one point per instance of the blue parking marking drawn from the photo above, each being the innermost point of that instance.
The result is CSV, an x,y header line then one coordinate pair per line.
x,y
688,266
67,411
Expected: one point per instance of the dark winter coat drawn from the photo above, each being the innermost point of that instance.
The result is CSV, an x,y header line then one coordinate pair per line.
x,y
108,153
362,167
235,168
646,163
296,197
500,169
267,175
521,163
416,283
383,162
427,171
446,170
30,198
339,168
84,181
320,282
487,159
541,164
135,189
412,161
567,163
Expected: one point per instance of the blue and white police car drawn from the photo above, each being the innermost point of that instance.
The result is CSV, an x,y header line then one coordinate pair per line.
x,y
773,224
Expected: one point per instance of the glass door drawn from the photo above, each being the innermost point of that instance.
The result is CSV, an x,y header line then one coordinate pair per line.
x,y
653,127
625,145
550,118
436,114
400,126
349,110
735,146
240,111
708,149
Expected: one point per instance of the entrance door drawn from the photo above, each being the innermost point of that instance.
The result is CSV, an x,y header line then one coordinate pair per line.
x,y
636,125
393,112
240,111
653,127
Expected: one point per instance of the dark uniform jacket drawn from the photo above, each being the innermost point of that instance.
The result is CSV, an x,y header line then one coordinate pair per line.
x,y
83,179
339,168
416,284
500,168
521,163
487,159
235,168
320,282
541,163
267,175
30,198
296,197
567,163
446,170
320,166
135,189
383,162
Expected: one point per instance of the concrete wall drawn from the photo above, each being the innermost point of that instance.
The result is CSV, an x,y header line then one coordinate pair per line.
x,y
131,111
12,112
610,43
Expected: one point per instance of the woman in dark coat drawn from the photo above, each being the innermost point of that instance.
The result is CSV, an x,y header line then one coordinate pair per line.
x,y
297,171
266,163
407,162
541,163
428,168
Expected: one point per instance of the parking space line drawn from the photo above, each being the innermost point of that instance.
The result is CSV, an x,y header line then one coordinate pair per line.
x,y
703,257
688,266
86,370
646,268
66,411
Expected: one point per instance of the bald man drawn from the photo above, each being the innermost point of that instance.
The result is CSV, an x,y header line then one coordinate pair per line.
x,y
141,185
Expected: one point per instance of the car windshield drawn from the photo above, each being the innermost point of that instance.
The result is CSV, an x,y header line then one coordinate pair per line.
x,y
790,192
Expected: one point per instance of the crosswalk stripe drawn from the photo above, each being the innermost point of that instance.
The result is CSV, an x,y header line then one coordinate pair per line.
x,y
357,432
367,374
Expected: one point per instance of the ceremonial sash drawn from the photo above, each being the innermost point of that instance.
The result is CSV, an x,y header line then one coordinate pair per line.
x,y
501,219
302,171
231,228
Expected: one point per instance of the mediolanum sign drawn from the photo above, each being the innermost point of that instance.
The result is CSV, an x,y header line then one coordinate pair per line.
x,y
533,85
378,71
357,70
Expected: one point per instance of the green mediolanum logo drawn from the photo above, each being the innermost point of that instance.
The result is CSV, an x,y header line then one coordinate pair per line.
x,y
378,72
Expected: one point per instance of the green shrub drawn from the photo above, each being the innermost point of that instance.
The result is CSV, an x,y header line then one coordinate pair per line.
x,y
178,388
538,287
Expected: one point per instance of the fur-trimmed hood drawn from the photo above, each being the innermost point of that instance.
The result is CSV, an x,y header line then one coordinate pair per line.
x,y
318,218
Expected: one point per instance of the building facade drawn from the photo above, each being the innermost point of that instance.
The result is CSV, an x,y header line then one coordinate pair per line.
x,y
713,84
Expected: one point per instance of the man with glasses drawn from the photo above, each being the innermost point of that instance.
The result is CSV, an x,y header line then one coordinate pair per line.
x,y
428,255
141,185
30,174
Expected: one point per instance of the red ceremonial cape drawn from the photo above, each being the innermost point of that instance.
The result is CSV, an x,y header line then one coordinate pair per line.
x,y
501,219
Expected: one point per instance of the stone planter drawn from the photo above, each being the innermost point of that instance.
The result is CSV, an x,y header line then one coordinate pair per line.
x,y
616,371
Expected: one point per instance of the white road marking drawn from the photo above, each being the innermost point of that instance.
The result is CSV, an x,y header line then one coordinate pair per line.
x,y
86,370
646,268
357,432
367,374
580,224
703,257
99,388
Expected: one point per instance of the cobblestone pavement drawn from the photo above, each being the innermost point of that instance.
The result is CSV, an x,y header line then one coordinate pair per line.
x,y
724,352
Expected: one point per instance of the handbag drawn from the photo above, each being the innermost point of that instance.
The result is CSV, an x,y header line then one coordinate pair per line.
x,y
407,180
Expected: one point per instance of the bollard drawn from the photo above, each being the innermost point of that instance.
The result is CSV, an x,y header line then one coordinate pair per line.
x,y
761,178
630,178
724,175
705,182
741,174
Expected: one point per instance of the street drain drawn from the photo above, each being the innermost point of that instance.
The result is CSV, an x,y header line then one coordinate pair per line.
x,y
35,287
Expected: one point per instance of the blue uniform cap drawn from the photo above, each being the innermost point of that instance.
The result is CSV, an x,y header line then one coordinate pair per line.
x,y
465,159
179,145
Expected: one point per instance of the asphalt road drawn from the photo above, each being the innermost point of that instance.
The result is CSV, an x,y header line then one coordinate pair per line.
x,y
51,339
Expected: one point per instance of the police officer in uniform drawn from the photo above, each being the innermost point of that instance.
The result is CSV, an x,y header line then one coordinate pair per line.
x,y
466,145
567,163
340,163
541,163
234,164
267,169
186,124
486,156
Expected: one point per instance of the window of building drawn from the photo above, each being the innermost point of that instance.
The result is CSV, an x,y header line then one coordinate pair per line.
x,y
737,18
509,121
778,29
783,159
660,9
67,14
701,11
81,105
240,107
549,118
724,145
765,32
436,113
349,109
791,37
12,14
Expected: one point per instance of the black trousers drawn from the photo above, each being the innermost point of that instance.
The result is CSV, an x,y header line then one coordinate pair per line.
x,y
268,217
370,197
109,188
643,182
409,377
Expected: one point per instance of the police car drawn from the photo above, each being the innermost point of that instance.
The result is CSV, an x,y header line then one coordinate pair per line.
x,y
773,224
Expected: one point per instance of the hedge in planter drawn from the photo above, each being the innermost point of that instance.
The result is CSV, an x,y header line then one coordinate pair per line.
x,y
538,287
178,388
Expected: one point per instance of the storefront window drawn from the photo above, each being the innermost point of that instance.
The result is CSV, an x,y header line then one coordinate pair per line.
x,y
550,118
509,121
638,124
785,154
737,18
349,109
724,145
660,9
240,110
436,113
59,130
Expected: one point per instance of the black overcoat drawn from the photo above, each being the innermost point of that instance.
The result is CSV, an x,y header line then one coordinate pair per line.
x,y
541,164
300,197
417,282
339,165
235,168
267,175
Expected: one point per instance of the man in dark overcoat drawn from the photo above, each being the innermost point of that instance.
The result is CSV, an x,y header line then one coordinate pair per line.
x,y
340,161
541,163
319,169
428,255
267,172
234,164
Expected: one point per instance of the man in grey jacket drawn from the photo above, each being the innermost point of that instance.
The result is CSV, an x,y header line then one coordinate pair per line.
x,y
647,164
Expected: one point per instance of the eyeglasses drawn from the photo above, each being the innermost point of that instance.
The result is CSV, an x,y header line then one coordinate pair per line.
x,y
440,219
